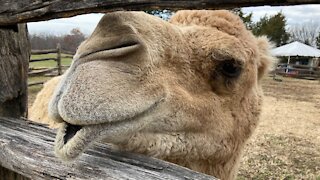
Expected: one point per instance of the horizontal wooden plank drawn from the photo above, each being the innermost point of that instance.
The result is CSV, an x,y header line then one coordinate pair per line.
x,y
41,72
299,66
299,75
36,68
43,59
27,148
67,52
305,66
67,56
36,83
299,70
309,75
47,51
12,12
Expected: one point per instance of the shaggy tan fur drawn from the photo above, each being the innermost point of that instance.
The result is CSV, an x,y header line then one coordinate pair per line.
x,y
186,91
39,109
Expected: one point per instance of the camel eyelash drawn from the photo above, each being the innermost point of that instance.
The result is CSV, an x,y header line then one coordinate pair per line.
x,y
226,72
227,65
230,69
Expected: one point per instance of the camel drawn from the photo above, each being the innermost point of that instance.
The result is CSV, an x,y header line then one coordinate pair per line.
x,y
39,109
186,91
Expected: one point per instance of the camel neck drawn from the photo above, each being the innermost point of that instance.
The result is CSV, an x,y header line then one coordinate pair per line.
x,y
225,170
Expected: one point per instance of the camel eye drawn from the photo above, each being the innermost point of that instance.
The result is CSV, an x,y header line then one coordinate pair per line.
x,y
230,68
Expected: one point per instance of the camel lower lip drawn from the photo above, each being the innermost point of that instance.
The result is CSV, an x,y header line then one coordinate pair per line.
x,y
72,140
79,141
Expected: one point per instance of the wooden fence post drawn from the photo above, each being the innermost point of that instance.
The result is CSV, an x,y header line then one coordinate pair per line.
x,y
14,60
59,59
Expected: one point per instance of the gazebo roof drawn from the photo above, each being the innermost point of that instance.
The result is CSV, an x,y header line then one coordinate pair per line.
x,y
296,49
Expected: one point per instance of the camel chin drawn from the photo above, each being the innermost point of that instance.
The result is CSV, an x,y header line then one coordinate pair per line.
x,y
186,91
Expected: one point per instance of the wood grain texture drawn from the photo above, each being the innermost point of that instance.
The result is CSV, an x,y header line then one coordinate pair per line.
x,y
14,59
6,174
12,12
27,148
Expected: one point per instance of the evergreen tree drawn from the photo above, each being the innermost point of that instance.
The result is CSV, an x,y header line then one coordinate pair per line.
x,y
273,27
307,42
246,18
163,14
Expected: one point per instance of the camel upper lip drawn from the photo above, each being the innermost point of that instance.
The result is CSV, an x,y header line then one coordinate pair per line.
x,y
134,115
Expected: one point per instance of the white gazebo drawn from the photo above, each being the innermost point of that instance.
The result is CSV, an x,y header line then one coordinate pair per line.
x,y
295,49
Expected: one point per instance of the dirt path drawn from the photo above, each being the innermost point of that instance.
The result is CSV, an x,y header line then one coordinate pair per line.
x,y
286,144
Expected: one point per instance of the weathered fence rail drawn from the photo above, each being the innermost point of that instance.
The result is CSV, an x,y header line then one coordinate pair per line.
x,y
43,59
13,12
47,51
27,148
41,71
298,71
17,141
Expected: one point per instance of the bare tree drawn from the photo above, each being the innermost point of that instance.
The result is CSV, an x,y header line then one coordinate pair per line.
x,y
306,33
44,41
69,42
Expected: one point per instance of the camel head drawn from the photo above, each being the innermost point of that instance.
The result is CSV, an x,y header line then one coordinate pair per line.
x,y
186,91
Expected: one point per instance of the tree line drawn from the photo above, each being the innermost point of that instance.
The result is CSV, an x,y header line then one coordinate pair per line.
x,y
274,27
69,42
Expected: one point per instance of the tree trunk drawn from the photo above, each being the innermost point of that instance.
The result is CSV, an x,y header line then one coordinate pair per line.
x,y
14,59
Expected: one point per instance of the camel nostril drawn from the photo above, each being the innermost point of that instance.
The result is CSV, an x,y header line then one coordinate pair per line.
x,y
114,49
123,45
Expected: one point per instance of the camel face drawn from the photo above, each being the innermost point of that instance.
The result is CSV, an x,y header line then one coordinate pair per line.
x,y
186,91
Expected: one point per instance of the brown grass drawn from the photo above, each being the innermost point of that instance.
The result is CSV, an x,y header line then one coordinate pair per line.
x,y
286,144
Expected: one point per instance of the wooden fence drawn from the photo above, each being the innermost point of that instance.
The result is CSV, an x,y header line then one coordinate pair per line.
x,y
21,143
31,154
45,71
297,71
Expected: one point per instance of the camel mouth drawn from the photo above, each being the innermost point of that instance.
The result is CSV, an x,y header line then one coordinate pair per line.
x,y
71,140
71,131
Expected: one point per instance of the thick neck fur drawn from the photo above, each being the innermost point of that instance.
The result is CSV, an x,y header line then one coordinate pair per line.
x,y
226,170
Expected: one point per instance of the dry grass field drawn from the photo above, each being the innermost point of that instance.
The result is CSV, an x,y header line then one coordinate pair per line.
x,y
286,144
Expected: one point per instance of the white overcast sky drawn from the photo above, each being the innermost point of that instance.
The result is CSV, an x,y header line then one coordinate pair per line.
x,y
294,14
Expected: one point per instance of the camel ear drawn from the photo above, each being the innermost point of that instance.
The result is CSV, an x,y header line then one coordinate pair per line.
x,y
266,60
